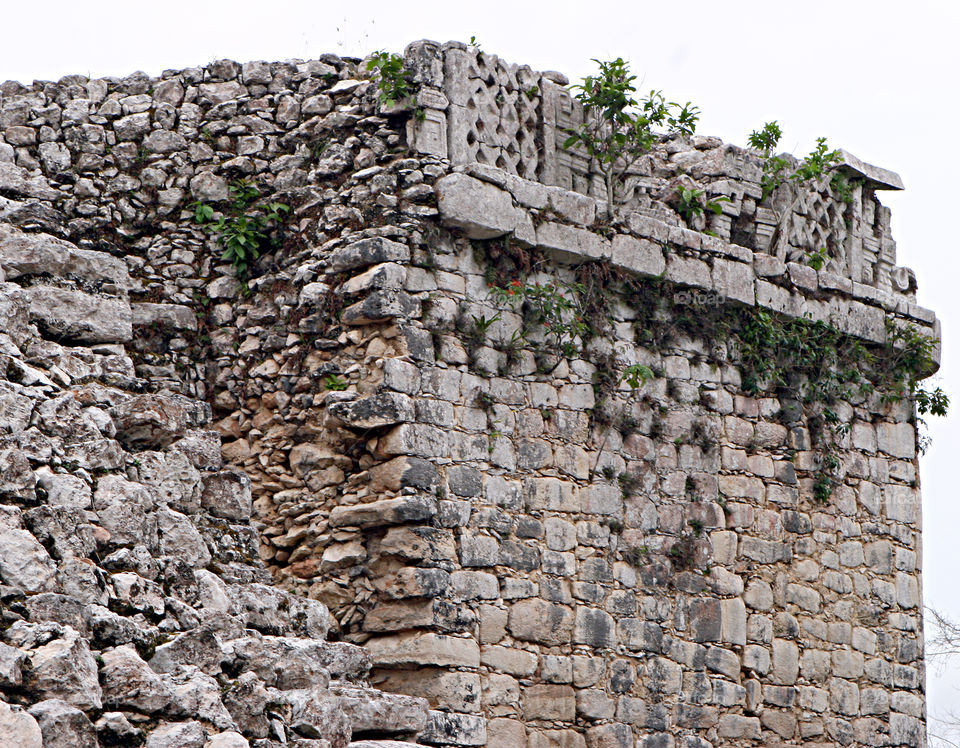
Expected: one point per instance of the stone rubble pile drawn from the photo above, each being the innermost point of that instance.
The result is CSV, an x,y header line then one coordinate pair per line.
x,y
133,605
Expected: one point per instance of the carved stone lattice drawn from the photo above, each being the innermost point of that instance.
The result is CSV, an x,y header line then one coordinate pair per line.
x,y
573,166
856,235
516,119
496,116
819,222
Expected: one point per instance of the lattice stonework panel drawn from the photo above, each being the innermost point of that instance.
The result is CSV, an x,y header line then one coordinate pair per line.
x,y
819,222
887,254
495,113
856,235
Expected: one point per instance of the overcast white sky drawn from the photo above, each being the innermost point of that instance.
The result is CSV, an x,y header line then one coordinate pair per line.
x,y
877,77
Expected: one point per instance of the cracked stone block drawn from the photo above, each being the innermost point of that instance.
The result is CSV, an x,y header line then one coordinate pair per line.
x,y
63,725
424,649
66,314
376,411
447,728
372,251
479,209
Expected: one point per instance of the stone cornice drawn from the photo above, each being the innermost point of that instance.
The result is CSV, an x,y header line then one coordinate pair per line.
x,y
485,202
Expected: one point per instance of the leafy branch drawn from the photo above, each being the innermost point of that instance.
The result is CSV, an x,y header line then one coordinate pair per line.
x,y
815,364
617,130
556,309
637,375
245,227
814,167
395,82
692,202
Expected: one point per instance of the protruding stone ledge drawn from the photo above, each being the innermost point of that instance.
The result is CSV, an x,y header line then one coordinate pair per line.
x,y
165,316
486,202
21,182
67,314
882,179
365,252
386,512
23,254
385,409
424,649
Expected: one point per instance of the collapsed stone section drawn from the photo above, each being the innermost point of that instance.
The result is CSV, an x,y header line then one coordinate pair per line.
x,y
459,509
135,608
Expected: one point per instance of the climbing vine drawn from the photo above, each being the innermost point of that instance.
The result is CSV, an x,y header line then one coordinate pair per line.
x,y
555,309
810,365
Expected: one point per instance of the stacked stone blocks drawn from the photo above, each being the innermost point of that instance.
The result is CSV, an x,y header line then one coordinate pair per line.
x,y
457,510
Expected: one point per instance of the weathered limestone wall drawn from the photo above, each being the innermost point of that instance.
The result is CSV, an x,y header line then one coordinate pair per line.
x,y
135,609
502,542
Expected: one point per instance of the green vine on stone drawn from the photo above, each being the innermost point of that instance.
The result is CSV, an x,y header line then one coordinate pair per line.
x,y
554,310
245,227
636,375
817,365
811,365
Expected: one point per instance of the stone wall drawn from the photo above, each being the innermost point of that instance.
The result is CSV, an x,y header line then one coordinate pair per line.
x,y
546,555
135,609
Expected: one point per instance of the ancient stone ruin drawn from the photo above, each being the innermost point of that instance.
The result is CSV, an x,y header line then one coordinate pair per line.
x,y
459,460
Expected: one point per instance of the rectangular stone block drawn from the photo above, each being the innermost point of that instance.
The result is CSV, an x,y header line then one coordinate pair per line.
x,y
71,315
450,728
549,702
386,512
736,727
417,440
705,620
541,621
505,733
734,280
572,244
479,209
479,550
786,662
637,255
456,690
424,649
551,493
733,621
594,627
688,271
510,660
640,635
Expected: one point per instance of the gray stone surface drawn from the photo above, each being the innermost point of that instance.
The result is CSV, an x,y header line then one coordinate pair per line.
x,y
548,556
17,727
103,551
75,315
479,209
